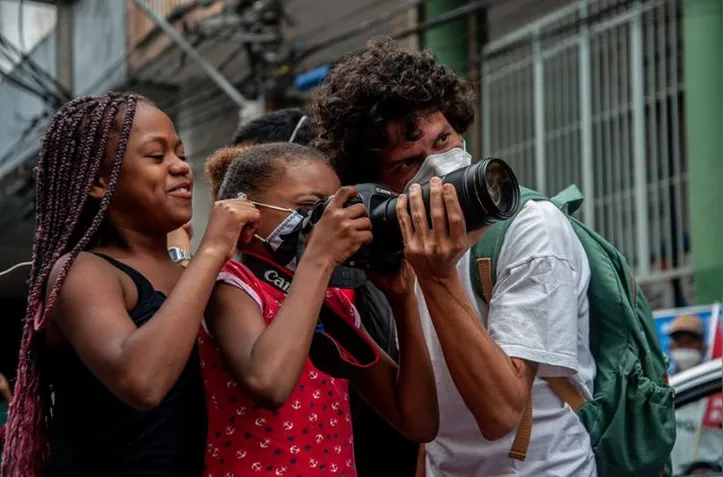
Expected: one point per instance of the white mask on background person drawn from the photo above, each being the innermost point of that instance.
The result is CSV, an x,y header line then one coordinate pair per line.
x,y
686,358
441,164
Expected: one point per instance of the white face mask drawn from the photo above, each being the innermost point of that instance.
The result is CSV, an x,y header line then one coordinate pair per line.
x,y
686,358
438,165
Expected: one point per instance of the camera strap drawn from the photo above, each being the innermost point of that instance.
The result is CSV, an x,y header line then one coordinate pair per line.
x,y
341,277
339,347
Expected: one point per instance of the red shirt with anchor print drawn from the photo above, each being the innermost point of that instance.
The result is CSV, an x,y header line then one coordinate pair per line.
x,y
309,436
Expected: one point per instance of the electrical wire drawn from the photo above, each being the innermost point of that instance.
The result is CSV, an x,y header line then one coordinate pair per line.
x,y
336,21
363,27
17,265
23,63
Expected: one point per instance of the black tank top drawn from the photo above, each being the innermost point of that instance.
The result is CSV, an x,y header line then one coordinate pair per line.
x,y
93,433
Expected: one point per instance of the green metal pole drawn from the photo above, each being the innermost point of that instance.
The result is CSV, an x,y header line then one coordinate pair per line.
x,y
448,41
702,43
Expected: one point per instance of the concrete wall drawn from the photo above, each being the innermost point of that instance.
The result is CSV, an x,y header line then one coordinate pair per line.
x,y
99,42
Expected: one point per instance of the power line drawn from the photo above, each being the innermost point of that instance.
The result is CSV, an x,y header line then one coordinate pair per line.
x,y
357,11
24,63
361,28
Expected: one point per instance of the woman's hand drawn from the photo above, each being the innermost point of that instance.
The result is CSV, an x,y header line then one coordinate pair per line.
x,y
232,221
432,252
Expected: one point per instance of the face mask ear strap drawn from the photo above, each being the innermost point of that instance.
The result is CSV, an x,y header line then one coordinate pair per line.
x,y
296,129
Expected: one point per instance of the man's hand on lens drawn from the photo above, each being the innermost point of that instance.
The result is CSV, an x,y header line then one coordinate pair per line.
x,y
433,252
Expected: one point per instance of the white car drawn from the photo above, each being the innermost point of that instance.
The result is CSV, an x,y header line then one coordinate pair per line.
x,y
698,448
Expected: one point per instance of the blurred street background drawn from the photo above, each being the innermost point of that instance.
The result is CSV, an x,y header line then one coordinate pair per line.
x,y
622,97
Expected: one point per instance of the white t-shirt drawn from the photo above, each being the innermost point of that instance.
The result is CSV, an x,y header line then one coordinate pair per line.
x,y
539,312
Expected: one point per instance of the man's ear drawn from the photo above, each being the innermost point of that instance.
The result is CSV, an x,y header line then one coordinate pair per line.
x,y
99,187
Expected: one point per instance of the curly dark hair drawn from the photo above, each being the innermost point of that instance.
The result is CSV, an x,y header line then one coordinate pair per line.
x,y
384,83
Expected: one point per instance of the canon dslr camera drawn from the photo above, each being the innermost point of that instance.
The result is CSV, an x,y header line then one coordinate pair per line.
x,y
488,192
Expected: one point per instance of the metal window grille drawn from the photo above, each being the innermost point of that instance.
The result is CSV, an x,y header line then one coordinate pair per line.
x,y
593,95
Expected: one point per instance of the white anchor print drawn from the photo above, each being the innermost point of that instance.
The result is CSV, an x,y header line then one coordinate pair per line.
x,y
288,425
214,452
265,443
280,471
319,438
313,374
260,421
295,449
334,468
256,466
296,405
332,422
337,449
230,430
348,462
241,411
313,417
240,454
317,394
313,463
336,405
230,474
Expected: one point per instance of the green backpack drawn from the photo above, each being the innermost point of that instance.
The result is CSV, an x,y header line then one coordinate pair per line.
x,y
631,418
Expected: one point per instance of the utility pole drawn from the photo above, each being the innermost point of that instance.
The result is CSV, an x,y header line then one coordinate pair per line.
x,y
449,42
64,46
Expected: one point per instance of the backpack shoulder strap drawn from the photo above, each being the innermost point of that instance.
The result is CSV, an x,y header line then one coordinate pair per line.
x,y
484,275
568,200
485,252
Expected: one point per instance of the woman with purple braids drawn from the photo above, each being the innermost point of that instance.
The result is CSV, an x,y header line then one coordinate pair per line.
x,y
109,376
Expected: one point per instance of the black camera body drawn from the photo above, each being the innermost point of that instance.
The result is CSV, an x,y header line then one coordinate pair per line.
x,y
386,251
487,191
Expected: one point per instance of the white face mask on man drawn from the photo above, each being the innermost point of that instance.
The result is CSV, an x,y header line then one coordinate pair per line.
x,y
686,358
441,164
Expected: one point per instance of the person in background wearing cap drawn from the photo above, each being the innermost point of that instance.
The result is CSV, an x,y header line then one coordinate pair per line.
x,y
697,449
687,344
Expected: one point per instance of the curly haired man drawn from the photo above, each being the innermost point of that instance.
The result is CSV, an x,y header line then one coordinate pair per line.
x,y
396,118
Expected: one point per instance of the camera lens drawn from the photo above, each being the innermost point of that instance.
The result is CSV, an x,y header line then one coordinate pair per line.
x,y
487,191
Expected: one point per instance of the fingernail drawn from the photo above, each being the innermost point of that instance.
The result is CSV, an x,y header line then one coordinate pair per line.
x,y
414,187
436,180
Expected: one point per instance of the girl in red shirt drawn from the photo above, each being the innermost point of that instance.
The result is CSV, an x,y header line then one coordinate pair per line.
x,y
271,410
